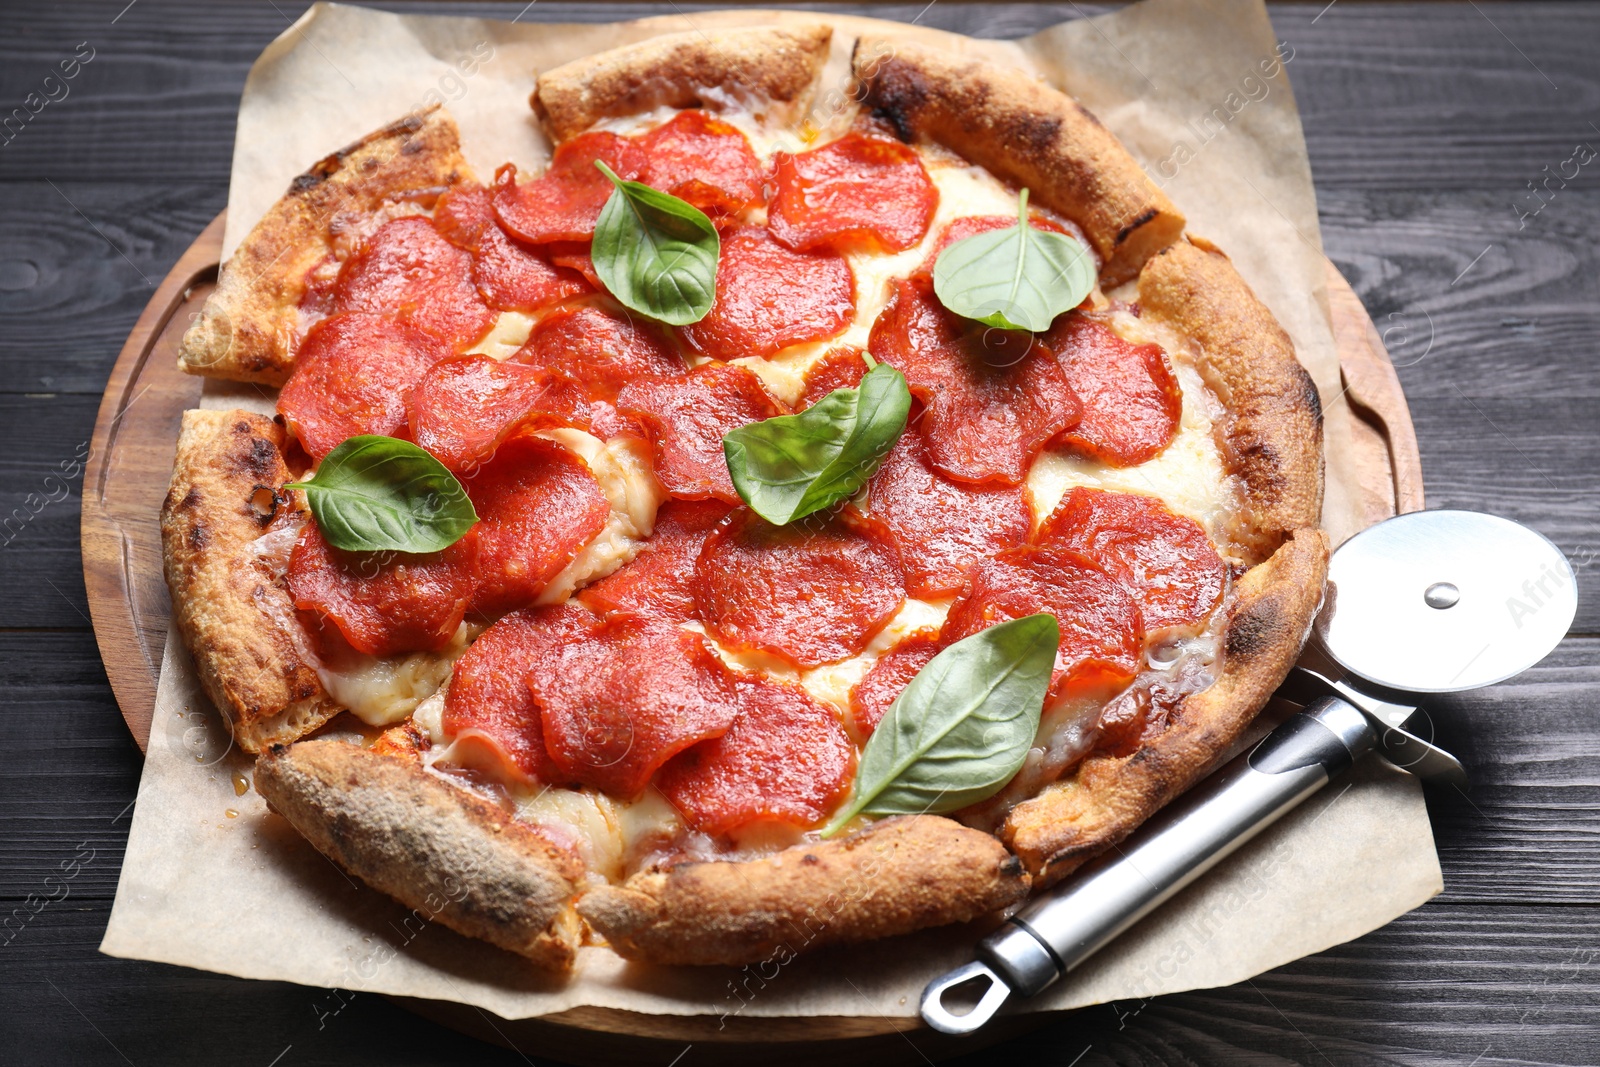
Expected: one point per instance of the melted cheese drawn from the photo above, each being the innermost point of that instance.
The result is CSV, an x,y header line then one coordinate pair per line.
x,y
606,833
509,333
622,467
385,690
1188,475
831,683
377,690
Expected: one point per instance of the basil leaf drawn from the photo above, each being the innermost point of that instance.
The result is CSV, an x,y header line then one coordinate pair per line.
x,y
1018,278
655,253
962,728
790,466
374,494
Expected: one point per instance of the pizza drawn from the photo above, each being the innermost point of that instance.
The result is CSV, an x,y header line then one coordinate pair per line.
x,y
727,542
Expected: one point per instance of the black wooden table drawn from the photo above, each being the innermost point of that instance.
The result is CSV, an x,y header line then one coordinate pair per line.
x,y
1458,193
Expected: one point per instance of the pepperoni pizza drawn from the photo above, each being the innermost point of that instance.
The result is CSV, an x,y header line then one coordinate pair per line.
x,y
624,703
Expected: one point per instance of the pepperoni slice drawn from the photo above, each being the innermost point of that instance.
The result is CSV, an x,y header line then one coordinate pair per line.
x,y
1102,632
658,582
353,375
853,189
942,527
689,417
602,350
769,298
540,506
384,603
994,397
574,255
842,368
510,275
408,269
564,203
1135,715
810,592
513,277
618,703
704,161
1131,399
462,213
1167,559
489,712
785,759
606,422
464,407
871,698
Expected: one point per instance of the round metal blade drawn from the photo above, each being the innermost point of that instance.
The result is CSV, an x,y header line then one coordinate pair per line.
x,y
1439,601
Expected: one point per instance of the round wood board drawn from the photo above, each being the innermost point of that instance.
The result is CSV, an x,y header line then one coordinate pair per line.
x,y
135,435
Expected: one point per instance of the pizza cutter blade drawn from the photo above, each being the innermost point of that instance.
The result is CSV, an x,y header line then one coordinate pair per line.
x,y
1430,602
1442,601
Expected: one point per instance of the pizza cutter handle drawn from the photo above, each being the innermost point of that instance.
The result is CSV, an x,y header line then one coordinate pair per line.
x,y
1058,931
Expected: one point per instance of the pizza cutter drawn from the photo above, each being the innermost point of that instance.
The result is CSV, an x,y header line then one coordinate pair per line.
x,y
1430,602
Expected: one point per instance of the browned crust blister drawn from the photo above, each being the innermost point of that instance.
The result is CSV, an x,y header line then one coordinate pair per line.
x,y
434,847
899,875
762,68
1021,129
247,327
225,493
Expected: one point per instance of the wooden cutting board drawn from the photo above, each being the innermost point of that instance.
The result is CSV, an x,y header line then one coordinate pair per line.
x,y
135,436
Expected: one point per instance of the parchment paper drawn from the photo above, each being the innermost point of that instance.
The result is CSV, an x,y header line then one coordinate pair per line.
x,y
1198,91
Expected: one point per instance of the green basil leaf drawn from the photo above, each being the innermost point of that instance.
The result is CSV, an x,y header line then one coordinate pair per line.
x,y
377,494
962,729
1018,278
790,466
655,253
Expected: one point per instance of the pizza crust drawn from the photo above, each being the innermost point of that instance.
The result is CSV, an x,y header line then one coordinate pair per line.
x,y
1272,441
452,856
1021,129
379,814
247,328
225,493
1272,435
896,876
1107,797
762,69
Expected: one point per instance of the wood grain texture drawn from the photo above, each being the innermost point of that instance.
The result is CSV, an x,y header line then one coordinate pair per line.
x,y
1424,124
1508,984
65,286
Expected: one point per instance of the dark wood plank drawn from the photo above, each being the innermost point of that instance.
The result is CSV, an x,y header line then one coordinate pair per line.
x,y
1526,826
1469,298
43,439
1424,96
80,261
1441,986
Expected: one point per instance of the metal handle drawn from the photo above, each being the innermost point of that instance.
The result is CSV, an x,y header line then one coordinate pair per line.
x,y
1058,931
